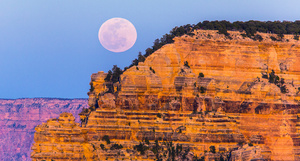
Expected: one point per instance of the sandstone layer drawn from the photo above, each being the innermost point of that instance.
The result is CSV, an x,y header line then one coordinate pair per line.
x,y
18,118
165,98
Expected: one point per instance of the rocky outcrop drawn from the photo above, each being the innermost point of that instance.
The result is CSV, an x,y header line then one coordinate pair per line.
x,y
247,153
61,137
201,91
18,118
127,128
234,70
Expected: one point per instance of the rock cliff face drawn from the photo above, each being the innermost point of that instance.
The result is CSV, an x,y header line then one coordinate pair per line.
x,y
249,94
18,118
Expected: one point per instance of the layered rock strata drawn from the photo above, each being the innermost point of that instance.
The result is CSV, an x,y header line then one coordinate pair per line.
x,y
196,131
249,94
18,118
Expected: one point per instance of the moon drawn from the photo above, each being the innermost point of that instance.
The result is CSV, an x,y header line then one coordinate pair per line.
x,y
117,35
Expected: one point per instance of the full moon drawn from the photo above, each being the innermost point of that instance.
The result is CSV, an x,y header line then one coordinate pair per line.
x,y
117,35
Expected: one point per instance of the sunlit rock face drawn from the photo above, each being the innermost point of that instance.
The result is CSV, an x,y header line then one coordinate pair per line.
x,y
165,98
61,139
233,72
18,118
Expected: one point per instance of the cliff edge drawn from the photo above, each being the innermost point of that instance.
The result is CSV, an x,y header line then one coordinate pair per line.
x,y
207,93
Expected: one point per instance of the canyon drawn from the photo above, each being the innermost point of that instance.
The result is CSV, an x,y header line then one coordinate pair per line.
x,y
212,95
19,117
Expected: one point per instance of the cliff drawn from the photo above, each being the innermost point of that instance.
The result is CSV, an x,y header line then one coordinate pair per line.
x,y
18,118
201,92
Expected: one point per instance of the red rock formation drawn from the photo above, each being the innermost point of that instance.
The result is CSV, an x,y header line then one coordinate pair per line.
x,y
18,118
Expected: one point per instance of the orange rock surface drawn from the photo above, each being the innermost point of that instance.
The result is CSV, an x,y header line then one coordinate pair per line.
x,y
233,103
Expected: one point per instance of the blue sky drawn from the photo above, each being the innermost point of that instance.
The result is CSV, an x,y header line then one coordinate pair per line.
x,y
50,48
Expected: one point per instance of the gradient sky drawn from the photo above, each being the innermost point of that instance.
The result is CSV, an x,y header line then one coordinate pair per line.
x,y
50,48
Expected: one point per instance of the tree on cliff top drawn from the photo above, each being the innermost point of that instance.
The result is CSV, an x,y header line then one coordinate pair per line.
x,y
108,76
250,27
114,75
141,58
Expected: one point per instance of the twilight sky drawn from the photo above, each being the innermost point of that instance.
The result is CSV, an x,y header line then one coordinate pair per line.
x,y
49,48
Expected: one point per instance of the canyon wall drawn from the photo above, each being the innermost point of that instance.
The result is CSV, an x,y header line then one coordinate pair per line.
x,y
19,117
202,91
